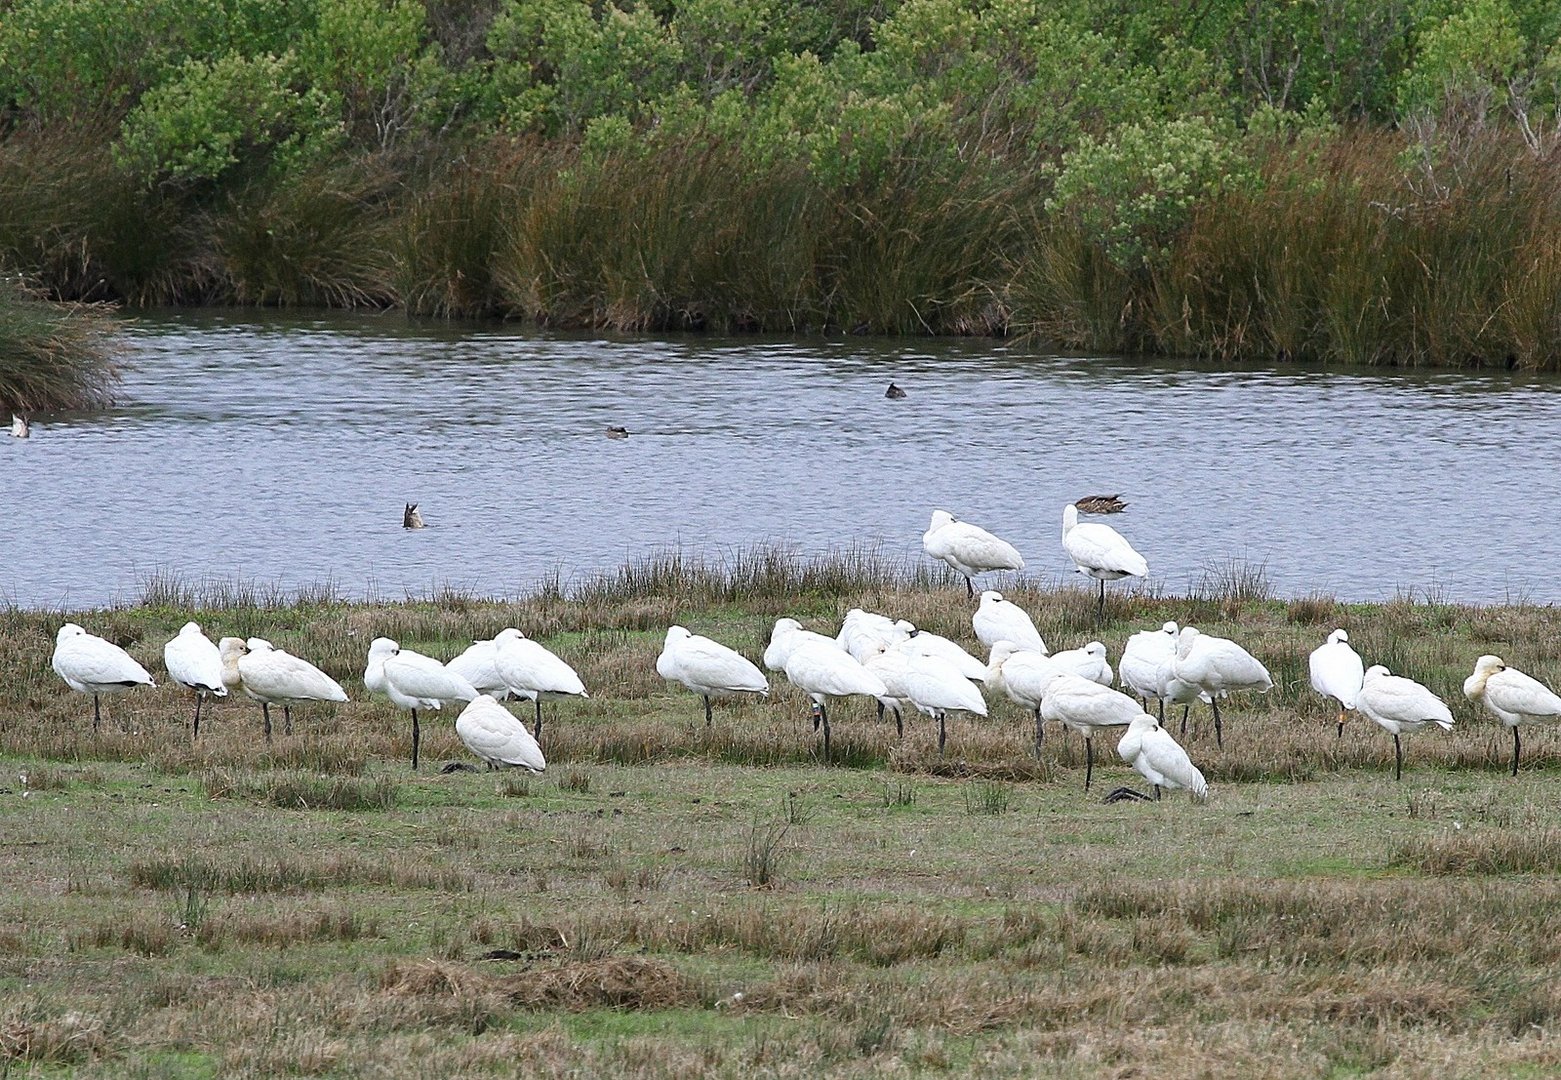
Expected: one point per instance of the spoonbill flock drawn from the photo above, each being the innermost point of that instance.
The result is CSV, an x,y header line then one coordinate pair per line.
x,y
872,655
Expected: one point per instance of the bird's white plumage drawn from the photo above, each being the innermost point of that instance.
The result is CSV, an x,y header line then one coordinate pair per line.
x,y
862,632
1088,661
1217,666
1399,704
412,680
93,665
192,660
530,671
1099,550
1509,695
494,734
1085,706
997,620
707,667
925,643
1336,669
966,548
274,676
786,635
935,686
1138,670
478,666
1159,758
821,669
1022,674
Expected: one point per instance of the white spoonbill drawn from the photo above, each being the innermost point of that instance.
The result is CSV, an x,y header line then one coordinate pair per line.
x,y
92,665
862,632
530,671
476,665
968,549
1399,705
1138,669
413,681
936,686
1511,697
786,636
1088,661
890,665
708,668
192,660
274,676
1337,672
997,620
1100,552
1086,707
926,643
823,670
1024,675
495,735
20,428
1217,667
1160,759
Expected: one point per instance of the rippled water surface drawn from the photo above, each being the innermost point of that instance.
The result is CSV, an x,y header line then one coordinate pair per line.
x,y
281,449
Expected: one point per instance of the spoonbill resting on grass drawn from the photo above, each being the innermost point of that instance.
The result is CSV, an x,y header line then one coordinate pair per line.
x,y
1399,705
274,676
92,665
1216,667
1086,707
1139,667
1100,552
1511,697
997,620
413,681
497,736
1022,674
786,635
862,632
968,549
708,668
1088,661
936,686
477,666
926,643
192,660
823,670
1160,759
1337,672
530,671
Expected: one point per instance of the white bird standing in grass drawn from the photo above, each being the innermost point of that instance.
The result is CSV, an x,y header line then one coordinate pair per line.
x,y
92,665
786,636
708,668
891,665
1087,708
1216,667
936,687
1100,552
1399,705
530,671
192,660
968,549
413,681
1160,759
1024,675
1088,662
862,632
273,676
926,643
823,670
1511,697
1337,672
495,735
1138,670
997,620
477,665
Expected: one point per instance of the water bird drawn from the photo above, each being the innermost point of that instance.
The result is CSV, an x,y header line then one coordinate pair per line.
x,y
968,549
1399,705
1100,552
1511,697
497,736
937,687
894,392
530,671
787,635
823,670
1086,707
1024,675
410,518
274,676
926,643
614,432
413,681
1139,666
1160,759
92,665
863,632
996,619
1088,662
1337,672
1213,668
1100,504
708,668
478,666
21,427
193,661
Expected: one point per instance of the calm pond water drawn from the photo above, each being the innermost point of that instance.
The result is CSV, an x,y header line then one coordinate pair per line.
x,y
280,449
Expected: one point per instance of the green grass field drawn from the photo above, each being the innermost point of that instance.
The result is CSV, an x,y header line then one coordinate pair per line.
x,y
671,900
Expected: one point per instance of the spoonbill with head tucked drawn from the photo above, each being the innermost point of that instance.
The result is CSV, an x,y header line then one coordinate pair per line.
x,y
936,687
1337,672
1100,552
1138,669
1216,667
1398,705
477,666
786,635
996,619
192,660
413,681
926,643
1086,707
274,676
495,735
1160,759
1088,661
92,665
1024,675
862,632
1511,697
530,671
708,668
968,549
823,670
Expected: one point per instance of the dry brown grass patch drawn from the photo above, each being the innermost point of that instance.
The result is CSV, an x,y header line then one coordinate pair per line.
x,y
621,982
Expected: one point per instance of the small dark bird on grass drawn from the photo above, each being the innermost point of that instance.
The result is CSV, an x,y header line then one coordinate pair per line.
x,y
1100,504
893,392
410,518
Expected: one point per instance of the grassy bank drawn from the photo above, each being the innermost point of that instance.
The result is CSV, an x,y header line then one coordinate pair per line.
x,y
53,356
671,900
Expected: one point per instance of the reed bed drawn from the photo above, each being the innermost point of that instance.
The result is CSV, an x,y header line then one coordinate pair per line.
x,y
53,356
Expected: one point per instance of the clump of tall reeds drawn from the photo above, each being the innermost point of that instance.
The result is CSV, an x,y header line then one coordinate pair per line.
x,y
53,356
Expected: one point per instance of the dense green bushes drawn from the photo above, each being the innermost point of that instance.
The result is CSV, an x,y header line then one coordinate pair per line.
x,y
1333,181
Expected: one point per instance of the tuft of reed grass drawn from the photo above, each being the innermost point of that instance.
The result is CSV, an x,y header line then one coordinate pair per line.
x,y
54,356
